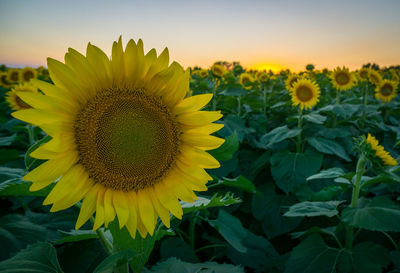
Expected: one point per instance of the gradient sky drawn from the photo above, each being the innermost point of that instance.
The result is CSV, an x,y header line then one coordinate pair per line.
x,y
256,33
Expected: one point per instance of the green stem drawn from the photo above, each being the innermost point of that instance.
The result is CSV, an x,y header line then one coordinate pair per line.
x,y
391,239
209,246
123,268
31,134
337,96
365,104
104,242
214,100
299,125
354,198
265,101
239,100
192,229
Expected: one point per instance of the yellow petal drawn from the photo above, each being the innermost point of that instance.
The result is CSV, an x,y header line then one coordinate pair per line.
x,y
43,153
173,97
38,185
199,118
109,212
194,172
146,210
204,130
131,224
53,168
198,157
121,206
168,200
161,211
141,228
99,219
88,206
117,61
206,142
192,104
53,91
35,116
98,59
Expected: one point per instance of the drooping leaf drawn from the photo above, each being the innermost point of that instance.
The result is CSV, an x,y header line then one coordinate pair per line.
x,y
329,173
278,134
379,214
114,260
76,235
315,118
227,149
328,146
239,182
215,201
311,209
8,140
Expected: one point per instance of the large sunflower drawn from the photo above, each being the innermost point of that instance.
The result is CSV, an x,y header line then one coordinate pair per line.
x,y
305,93
13,99
342,79
386,91
380,152
28,73
125,137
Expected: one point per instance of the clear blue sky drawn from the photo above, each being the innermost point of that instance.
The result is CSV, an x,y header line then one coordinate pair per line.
x,y
271,33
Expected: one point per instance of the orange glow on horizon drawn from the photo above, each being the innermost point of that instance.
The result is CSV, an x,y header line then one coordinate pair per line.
x,y
268,66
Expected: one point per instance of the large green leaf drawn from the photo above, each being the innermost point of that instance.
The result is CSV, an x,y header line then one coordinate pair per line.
x,y
114,260
178,248
76,235
311,209
227,149
315,118
292,169
215,201
379,214
7,141
328,146
18,187
239,182
329,173
38,258
312,255
173,265
279,134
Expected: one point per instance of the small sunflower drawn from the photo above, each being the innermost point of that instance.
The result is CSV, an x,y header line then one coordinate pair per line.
x,y
374,77
262,76
3,80
203,73
13,99
126,138
342,79
13,76
291,80
305,92
394,76
380,152
218,70
386,91
363,74
28,73
237,69
245,79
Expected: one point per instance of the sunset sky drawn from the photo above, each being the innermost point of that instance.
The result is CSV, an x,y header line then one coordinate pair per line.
x,y
259,34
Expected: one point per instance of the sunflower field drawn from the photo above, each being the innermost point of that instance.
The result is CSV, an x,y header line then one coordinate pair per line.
x,y
129,163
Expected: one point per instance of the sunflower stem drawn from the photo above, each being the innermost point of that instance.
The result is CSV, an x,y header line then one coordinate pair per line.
x,y
337,96
265,100
192,229
123,268
31,134
104,242
239,100
365,104
354,198
214,99
299,125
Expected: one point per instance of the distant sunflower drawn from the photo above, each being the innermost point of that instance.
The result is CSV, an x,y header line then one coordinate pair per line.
x,y
218,70
262,76
386,91
342,79
374,77
305,93
28,73
291,80
245,79
125,137
380,152
3,80
393,75
13,76
203,73
13,99
363,74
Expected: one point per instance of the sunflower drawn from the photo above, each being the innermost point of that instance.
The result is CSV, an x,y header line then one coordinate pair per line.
x,y
27,74
262,76
291,80
386,91
374,77
342,79
203,73
245,79
363,74
13,99
218,70
125,137
306,93
13,76
380,152
393,75
3,80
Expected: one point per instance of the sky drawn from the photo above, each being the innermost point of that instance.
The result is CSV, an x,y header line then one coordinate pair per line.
x,y
258,34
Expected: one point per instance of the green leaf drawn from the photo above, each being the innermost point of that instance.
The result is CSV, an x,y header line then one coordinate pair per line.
x,y
292,169
329,173
379,214
176,247
328,146
311,209
7,141
215,201
279,134
239,182
227,149
76,235
315,118
231,229
7,173
234,92
18,187
38,258
342,110
114,260
312,255
9,155
30,162
173,265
